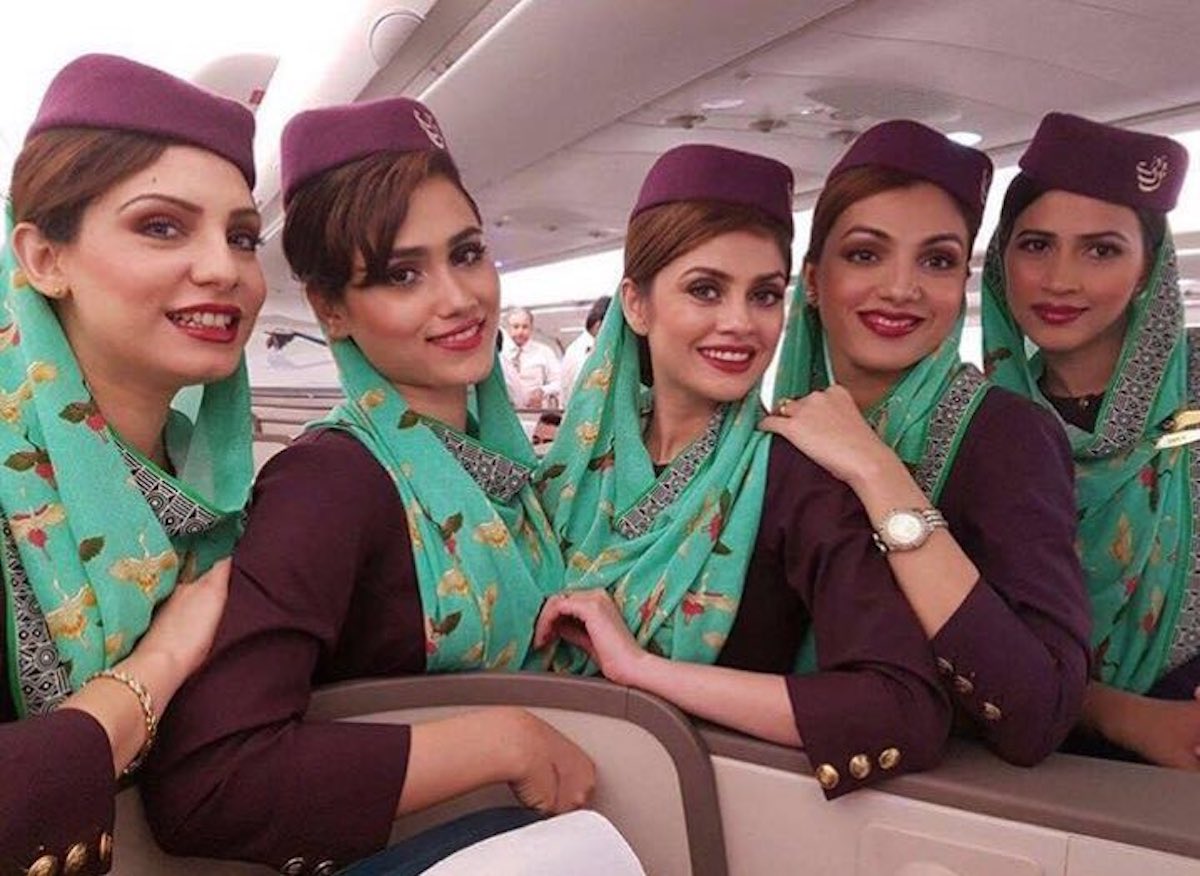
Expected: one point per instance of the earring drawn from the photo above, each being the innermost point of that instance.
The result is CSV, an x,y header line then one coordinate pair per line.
x,y
57,292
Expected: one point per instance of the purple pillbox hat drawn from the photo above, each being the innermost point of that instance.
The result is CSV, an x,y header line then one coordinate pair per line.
x,y
319,140
107,91
1142,171
712,173
963,172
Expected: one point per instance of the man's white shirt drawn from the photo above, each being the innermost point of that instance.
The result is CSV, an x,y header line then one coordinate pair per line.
x,y
577,352
531,367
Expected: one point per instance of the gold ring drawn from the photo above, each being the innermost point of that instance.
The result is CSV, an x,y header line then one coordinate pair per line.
x,y
781,409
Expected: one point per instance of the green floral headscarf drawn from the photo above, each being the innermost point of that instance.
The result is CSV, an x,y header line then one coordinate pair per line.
x,y
672,548
95,553
1136,502
483,550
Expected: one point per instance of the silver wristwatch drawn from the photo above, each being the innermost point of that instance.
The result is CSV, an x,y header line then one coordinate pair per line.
x,y
906,529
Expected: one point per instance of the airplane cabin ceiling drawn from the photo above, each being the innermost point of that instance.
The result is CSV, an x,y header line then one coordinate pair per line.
x,y
555,110
555,119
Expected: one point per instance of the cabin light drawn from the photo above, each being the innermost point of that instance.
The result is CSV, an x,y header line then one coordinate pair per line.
x,y
721,103
687,121
965,138
766,126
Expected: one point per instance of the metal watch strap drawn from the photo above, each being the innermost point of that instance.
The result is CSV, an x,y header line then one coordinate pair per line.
x,y
932,517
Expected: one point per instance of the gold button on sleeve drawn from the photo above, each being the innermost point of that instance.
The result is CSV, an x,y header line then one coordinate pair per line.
x,y
827,776
889,758
104,847
46,865
963,685
293,866
325,868
860,766
76,860
992,712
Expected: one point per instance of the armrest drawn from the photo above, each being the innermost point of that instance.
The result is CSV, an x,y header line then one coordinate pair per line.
x,y
628,733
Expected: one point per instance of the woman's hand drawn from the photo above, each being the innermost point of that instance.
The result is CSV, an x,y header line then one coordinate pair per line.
x,y
180,635
553,774
827,427
1168,733
184,626
1164,732
452,756
172,649
589,619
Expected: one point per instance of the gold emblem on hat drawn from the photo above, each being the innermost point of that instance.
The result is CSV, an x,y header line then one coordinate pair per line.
x,y
430,126
1151,174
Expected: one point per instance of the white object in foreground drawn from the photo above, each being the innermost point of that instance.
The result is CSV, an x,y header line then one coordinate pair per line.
x,y
583,843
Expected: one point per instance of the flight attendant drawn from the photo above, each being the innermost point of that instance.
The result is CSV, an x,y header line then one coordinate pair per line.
x,y
1082,272
398,536
130,274
969,486
699,550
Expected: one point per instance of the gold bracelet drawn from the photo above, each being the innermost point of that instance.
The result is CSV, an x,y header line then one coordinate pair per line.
x,y
147,704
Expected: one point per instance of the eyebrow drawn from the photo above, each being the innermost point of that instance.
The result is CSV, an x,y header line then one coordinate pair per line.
x,y
170,199
189,207
728,278
246,213
413,252
1089,236
879,234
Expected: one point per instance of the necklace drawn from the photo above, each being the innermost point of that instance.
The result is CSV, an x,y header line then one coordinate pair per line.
x,y
1079,410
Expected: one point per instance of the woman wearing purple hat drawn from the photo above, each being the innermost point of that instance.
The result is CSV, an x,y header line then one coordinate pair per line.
x,y
400,535
130,273
969,487
1083,313
715,547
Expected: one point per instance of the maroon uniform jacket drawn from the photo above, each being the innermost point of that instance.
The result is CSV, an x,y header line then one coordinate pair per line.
x,y
324,588
1015,655
56,787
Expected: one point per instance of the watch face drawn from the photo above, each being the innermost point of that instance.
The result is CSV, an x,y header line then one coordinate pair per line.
x,y
904,528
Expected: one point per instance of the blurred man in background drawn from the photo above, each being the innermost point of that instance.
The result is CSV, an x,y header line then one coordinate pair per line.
x,y
533,365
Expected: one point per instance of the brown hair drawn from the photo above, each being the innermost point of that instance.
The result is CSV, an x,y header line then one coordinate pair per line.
x,y
858,183
61,171
658,236
357,208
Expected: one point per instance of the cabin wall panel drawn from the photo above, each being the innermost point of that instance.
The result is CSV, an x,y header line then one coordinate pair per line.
x,y
777,822
1089,856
